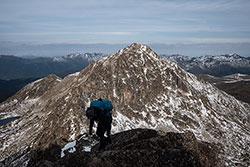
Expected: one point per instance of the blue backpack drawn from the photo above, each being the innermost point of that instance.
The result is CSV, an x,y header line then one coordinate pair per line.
x,y
102,104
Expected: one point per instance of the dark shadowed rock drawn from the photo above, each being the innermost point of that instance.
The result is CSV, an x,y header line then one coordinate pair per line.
x,y
139,147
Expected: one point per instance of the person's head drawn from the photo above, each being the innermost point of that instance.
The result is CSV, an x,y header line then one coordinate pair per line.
x,y
90,113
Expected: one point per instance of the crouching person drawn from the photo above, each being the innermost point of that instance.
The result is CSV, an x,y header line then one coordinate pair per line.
x,y
100,111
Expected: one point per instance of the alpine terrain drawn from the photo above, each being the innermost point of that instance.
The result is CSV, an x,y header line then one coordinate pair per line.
x,y
146,92
237,85
221,65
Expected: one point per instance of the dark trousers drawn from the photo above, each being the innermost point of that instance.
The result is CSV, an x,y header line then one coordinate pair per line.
x,y
103,127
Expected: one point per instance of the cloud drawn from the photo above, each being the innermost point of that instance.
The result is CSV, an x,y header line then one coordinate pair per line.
x,y
217,40
130,20
69,33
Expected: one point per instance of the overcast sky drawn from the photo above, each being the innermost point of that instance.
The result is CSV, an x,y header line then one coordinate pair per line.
x,y
125,21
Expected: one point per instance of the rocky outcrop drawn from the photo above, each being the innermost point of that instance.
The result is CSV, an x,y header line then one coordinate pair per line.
x,y
138,147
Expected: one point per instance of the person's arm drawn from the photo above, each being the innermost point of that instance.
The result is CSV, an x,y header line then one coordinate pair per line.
x,y
91,126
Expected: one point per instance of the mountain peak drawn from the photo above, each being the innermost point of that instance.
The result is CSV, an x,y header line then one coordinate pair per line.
x,y
137,51
235,55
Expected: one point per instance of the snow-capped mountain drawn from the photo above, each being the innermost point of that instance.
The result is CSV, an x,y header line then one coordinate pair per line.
x,y
221,65
89,57
146,91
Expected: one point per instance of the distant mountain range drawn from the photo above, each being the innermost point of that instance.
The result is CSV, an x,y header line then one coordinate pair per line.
x,y
12,67
218,66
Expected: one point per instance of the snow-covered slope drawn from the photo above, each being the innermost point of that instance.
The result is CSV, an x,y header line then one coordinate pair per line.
x,y
221,65
146,92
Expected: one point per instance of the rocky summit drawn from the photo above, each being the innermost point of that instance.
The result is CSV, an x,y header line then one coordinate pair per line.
x,y
146,91
138,147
